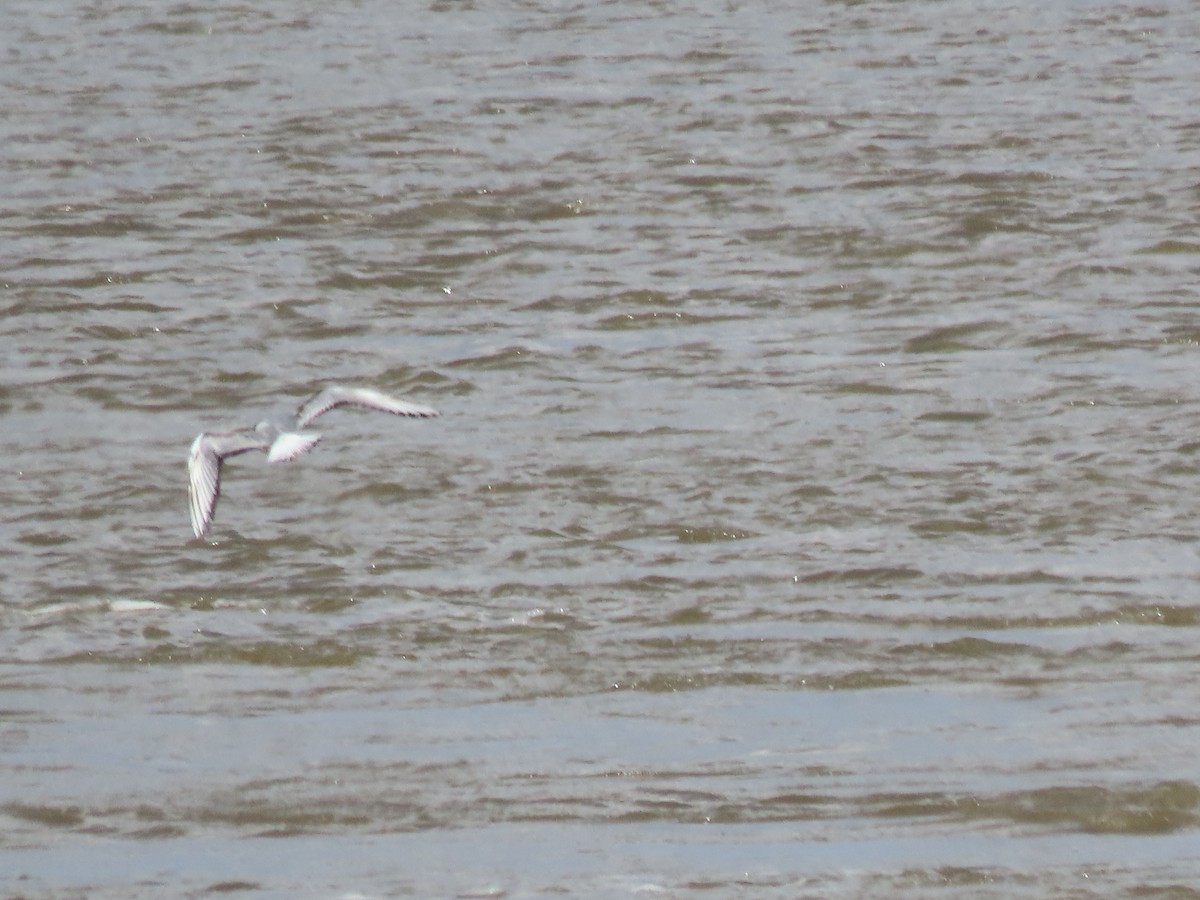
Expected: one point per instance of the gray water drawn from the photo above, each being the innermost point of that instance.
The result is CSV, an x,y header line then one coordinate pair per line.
x,y
813,508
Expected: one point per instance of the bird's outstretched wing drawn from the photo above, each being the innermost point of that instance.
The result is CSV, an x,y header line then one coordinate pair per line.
x,y
364,398
204,471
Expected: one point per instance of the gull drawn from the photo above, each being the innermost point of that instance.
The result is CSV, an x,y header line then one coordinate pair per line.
x,y
282,438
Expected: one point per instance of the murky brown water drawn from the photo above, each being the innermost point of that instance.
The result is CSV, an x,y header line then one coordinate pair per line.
x,y
812,513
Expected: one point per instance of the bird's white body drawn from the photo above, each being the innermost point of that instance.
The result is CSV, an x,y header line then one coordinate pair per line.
x,y
281,439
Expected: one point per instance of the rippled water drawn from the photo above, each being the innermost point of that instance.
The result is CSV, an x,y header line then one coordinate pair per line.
x,y
812,511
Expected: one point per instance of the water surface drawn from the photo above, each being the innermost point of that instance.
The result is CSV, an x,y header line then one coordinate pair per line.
x,y
812,510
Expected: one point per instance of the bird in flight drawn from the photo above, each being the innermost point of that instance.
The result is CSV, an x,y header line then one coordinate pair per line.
x,y
282,438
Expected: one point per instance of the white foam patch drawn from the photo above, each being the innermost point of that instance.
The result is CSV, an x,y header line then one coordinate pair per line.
x,y
128,606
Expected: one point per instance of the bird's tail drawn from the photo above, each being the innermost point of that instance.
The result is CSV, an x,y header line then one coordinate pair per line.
x,y
291,444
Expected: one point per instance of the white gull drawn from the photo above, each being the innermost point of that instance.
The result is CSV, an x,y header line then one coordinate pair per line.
x,y
281,438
